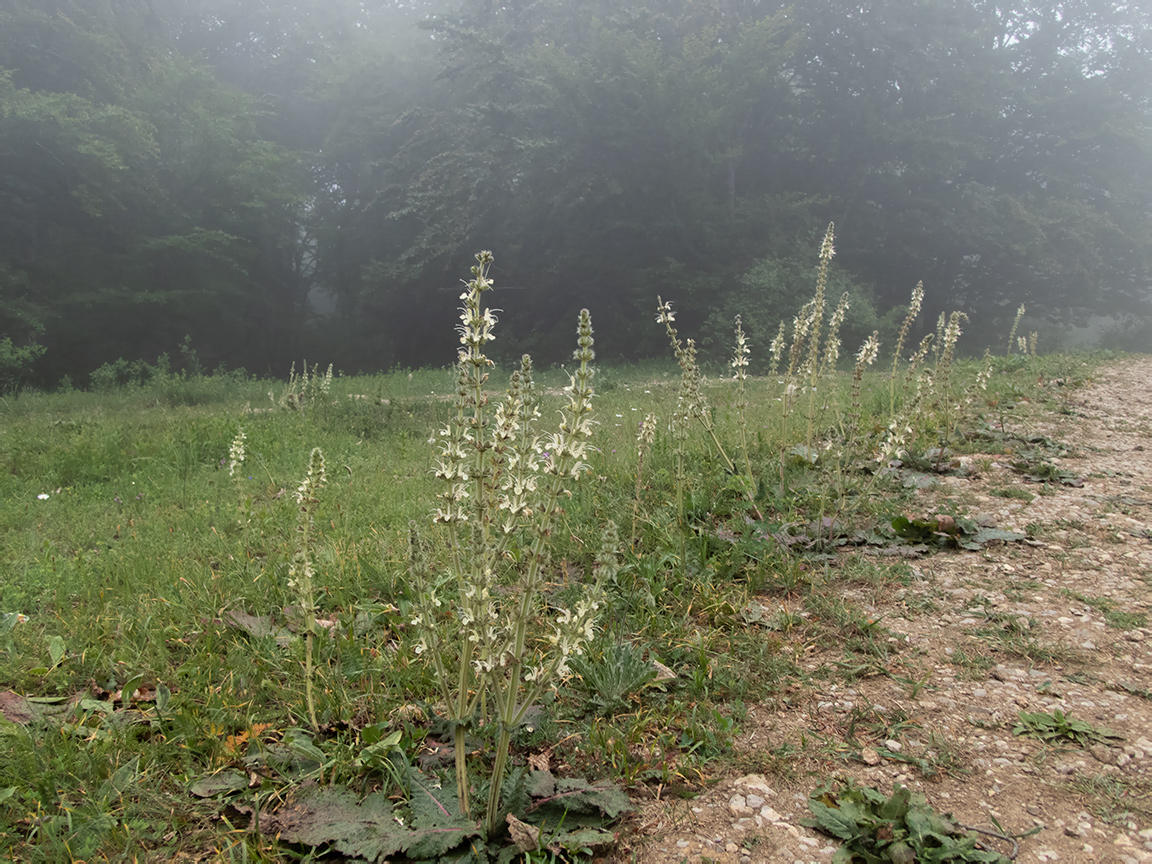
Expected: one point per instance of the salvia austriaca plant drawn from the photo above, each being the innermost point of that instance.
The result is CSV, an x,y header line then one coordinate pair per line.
x,y
501,478
812,365
1015,327
865,357
740,375
236,455
302,570
914,307
691,401
644,439
952,333
305,391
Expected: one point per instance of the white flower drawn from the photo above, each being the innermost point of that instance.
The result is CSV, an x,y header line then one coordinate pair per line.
x,y
236,452
43,496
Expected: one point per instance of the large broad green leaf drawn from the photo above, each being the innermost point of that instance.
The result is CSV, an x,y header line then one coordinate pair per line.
x,y
897,806
578,795
221,783
369,829
900,829
833,821
985,534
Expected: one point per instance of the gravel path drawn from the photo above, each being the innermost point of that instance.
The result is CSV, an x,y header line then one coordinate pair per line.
x,y
1055,623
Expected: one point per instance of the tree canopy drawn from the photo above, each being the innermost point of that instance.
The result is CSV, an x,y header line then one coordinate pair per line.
x,y
272,178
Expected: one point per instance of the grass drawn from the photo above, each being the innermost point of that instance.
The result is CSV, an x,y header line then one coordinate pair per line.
x,y
134,568
1114,616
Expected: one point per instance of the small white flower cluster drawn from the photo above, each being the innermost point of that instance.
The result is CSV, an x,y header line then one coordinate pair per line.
x,y
917,301
897,436
832,345
647,434
304,391
801,325
985,373
739,366
236,452
776,349
868,352
952,334
301,571
690,402
569,445
865,357
518,447
571,632
476,323
739,362
1012,333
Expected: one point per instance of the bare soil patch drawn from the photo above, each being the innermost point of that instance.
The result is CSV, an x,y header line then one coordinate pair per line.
x,y
1058,623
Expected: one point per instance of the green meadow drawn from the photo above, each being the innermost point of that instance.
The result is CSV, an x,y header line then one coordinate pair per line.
x,y
158,653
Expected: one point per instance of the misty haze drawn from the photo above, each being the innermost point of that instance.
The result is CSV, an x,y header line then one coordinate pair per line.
x,y
575,430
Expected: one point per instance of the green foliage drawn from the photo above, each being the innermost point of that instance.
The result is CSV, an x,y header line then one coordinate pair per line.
x,y
770,291
949,532
16,362
208,168
130,572
898,829
1060,728
610,678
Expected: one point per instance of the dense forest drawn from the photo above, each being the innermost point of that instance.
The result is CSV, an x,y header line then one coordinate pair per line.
x,y
276,178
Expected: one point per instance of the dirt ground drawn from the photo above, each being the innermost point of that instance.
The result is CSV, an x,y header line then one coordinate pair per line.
x,y
1056,622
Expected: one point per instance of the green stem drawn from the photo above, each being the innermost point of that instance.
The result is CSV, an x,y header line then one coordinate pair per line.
x,y
499,766
636,503
310,623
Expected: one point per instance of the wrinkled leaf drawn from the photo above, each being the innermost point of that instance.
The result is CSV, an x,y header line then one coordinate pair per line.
x,y
260,626
901,853
367,829
222,783
901,829
584,838
832,821
15,708
578,795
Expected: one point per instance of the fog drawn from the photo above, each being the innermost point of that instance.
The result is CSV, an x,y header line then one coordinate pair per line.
x,y
277,179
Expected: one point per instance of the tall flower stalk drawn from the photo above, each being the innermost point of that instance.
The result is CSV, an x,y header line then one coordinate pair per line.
x,y
865,357
644,440
952,333
740,374
812,365
302,570
501,478
1015,327
236,455
691,401
913,313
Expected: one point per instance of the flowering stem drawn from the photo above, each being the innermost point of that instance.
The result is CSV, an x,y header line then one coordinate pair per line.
x,y
301,571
